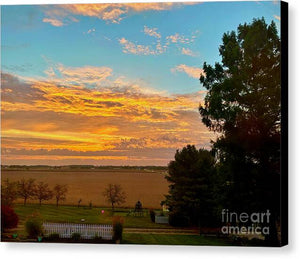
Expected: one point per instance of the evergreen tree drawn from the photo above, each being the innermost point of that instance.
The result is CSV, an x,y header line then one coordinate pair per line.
x,y
190,198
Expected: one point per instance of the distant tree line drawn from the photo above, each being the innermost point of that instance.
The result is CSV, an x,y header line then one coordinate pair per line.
x,y
28,189
76,167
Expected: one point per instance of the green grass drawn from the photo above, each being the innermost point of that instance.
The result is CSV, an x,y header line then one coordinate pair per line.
x,y
72,214
166,239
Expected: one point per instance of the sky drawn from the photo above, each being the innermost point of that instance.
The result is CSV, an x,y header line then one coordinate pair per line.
x,y
110,84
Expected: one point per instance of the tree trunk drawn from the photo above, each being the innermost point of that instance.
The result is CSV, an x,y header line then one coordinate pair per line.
x,y
40,202
25,199
56,202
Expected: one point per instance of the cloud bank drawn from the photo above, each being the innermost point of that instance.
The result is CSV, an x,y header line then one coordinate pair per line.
x,y
90,115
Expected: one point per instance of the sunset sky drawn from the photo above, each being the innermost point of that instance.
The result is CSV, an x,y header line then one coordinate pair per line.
x,y
110,84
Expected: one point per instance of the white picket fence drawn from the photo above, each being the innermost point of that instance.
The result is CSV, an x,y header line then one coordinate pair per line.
x,y
87,231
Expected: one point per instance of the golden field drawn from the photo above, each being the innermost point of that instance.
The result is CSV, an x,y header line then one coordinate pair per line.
x,y
147,186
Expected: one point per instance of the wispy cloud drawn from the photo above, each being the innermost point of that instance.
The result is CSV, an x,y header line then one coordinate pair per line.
x,y
54,22
178,38
152,32
188,52
91,31
193,72
139,49
160,45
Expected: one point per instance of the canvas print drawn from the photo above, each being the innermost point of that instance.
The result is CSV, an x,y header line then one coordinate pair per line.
x,y
144,123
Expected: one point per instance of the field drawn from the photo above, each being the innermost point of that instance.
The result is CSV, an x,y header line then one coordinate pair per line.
x,y
144,184
148,186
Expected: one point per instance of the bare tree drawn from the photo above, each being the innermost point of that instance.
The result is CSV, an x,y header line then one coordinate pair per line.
x,y
9,192
60,192
114,195
43,192
78,203
26,189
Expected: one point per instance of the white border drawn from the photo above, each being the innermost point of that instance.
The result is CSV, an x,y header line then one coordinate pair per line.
x,y
45,251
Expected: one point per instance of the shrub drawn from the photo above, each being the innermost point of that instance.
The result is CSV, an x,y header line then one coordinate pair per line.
x,y
178,219
76,236
34,227
52,237
152,215
117,228
97,239
9,219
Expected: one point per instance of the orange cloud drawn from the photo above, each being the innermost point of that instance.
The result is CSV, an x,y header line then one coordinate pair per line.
x,y
193,72
109,12
79,76
121,119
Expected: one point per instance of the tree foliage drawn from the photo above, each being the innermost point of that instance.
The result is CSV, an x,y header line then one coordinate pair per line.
x,y
243,104
190,198
60,192
43,192
26,189
9,192
114,195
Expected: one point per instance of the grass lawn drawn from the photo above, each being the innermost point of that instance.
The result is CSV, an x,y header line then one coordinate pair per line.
x,y
72,214
165,239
